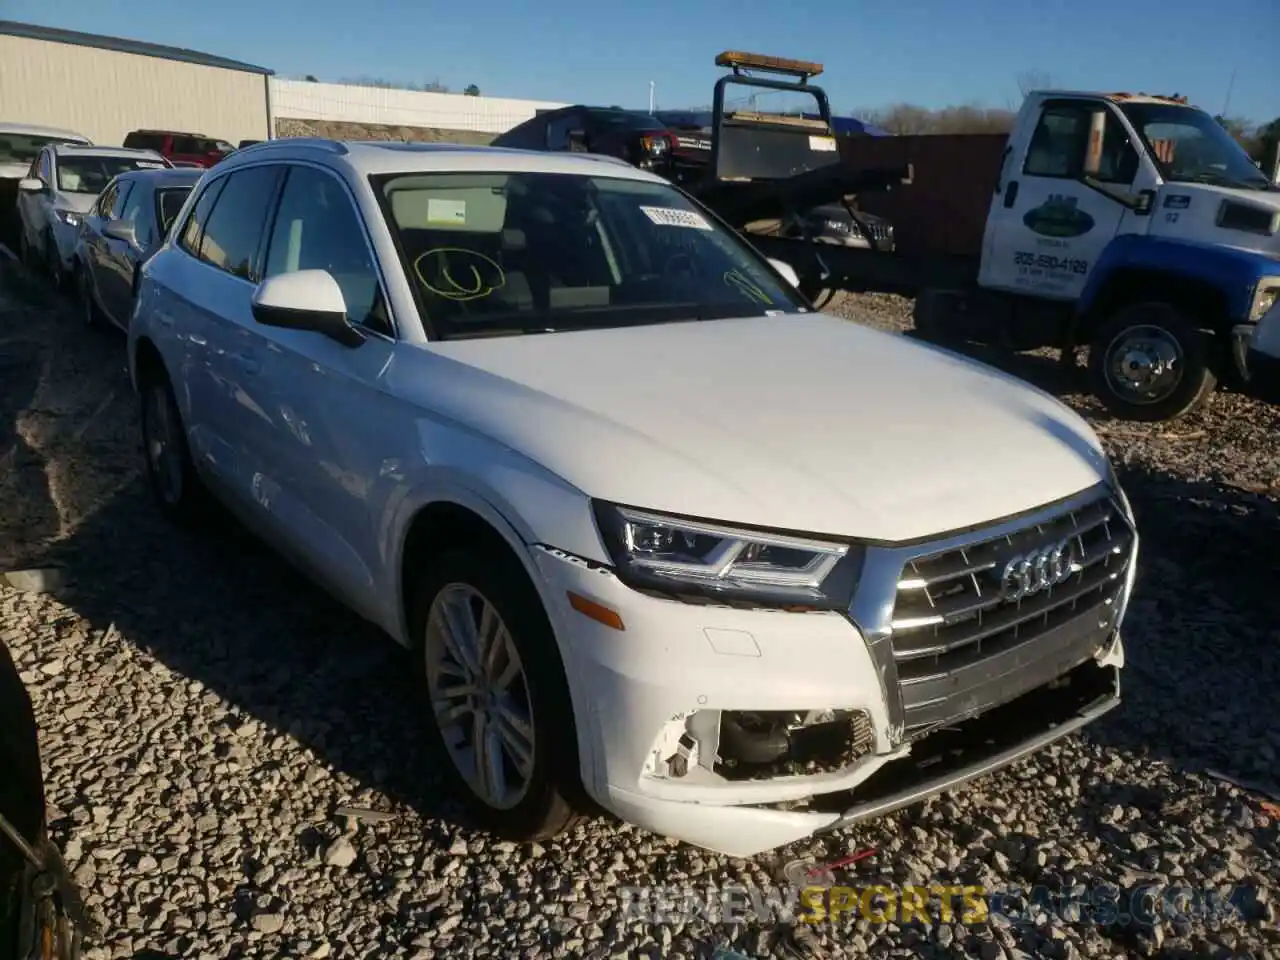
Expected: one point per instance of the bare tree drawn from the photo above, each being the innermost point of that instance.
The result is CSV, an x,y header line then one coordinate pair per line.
x,y
906,119
1032,80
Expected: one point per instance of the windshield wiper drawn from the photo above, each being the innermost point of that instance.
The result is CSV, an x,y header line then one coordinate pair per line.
x,y
482,334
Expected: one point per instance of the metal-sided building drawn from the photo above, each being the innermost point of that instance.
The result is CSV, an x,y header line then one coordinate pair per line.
x,y
103,87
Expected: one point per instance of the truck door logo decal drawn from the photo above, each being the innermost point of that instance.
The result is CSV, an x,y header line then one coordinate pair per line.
x,y
1177,201
1059,216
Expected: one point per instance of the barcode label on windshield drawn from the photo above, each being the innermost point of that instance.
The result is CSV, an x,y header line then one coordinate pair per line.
x,y
672,217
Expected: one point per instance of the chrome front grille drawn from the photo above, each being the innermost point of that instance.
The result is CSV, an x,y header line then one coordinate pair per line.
x,y
876,230
973,624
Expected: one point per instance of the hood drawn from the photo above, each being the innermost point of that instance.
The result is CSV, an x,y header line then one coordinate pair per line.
x,y
800,422
1198,206
79,202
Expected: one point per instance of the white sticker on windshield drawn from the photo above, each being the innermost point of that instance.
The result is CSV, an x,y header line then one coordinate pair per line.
x,y
673,217
148,165
823,144
446,211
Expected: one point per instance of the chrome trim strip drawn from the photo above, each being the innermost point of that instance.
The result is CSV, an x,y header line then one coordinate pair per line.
x,y
877,593
1004,758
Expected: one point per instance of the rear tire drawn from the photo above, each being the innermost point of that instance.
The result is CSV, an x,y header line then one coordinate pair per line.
x,y
1148,362
536,752
934,315
171,474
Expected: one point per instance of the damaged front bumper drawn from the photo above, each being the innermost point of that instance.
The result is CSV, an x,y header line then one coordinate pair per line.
x,y
741,730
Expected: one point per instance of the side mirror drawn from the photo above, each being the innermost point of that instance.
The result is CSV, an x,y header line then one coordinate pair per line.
x,y
788,271
121,230
1092,164
577,139
31,185
305,300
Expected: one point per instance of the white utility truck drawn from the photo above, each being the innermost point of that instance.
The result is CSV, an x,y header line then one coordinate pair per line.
x,y
1131,224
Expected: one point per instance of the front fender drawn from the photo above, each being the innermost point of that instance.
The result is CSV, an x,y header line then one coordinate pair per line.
x,y
520,499
1231,272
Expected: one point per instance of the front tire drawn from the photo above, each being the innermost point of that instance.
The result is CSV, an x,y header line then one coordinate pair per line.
x,y
53,262
1149,362
499,701
92,315
171,474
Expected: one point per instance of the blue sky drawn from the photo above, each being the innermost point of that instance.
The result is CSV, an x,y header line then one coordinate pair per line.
x,y
928,52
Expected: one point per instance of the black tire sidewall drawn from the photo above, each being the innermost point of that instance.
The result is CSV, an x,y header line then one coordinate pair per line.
x,y
53,261
1198,374
85,289
501,579
189,506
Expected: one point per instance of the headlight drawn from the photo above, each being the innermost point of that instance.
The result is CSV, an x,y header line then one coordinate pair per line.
x,y
70,218
676,555
1263,300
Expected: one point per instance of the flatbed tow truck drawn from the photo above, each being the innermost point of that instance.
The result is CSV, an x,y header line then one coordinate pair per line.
x,y
1130,224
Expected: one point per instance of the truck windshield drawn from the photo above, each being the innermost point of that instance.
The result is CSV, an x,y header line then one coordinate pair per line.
x,y
1189,146
507,253
624,119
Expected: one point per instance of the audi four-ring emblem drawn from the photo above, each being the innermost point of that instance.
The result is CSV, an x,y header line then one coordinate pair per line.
x,y
1037,570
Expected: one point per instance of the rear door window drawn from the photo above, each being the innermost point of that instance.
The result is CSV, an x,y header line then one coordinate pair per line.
x,y
233,236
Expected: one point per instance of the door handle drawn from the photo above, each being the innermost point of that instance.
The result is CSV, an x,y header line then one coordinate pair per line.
x,y
1011,193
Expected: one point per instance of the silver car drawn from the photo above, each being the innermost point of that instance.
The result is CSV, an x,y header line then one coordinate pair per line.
x,y
61,186
125,225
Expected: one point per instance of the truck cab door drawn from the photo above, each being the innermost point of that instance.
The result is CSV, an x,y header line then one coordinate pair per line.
x,y
1046,227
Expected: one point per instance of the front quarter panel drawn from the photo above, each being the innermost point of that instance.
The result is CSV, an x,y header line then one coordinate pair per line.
x,y
1233,271
523,501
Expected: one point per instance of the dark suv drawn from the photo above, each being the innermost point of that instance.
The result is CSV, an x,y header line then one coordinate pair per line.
x,y
180,149
630,135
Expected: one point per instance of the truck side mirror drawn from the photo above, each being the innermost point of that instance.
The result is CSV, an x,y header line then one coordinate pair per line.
x,y
1092,163
577,140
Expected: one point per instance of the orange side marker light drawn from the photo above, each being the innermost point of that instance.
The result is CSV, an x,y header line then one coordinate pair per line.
x,y
596,611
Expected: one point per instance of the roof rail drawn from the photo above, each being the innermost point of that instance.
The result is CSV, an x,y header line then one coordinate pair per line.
x,y
318,143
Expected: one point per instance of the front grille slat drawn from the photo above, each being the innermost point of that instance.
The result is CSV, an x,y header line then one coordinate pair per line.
x,y
953,617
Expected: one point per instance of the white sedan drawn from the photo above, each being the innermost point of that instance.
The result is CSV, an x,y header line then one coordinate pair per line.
x,y
652,526
57,193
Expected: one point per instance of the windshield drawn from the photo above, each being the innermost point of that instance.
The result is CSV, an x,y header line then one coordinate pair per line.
x,y
534,252
23,147
1189,146
168,203
625,119
87,173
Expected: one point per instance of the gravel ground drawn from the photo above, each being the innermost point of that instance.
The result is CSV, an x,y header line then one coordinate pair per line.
x,y
205,714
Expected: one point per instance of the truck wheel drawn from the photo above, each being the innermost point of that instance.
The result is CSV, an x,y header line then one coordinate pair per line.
x,y
1149,363
933,316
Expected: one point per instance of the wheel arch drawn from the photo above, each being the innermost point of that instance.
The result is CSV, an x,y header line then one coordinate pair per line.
x,y
147,362
461,518
1214,281
1201,301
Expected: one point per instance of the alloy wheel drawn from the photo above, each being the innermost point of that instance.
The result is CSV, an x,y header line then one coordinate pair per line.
x,y
479,694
